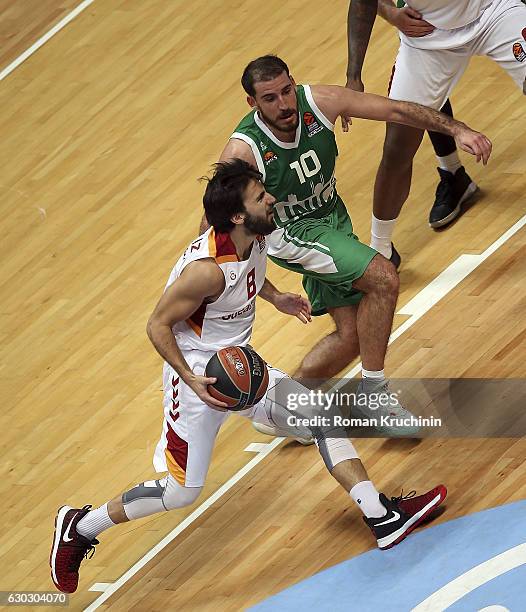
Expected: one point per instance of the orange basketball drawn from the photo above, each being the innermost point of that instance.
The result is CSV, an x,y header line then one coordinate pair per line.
x,y
242,377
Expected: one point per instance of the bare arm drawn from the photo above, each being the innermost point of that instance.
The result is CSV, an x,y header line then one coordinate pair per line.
x,y
200,281
386,9
360,20
234,148
289,303
336,101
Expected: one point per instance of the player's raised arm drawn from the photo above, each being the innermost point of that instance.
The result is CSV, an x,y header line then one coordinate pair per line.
x,y
200,281
360,20
288,303
336,101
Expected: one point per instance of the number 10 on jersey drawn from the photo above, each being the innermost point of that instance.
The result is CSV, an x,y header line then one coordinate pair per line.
x,y
307,166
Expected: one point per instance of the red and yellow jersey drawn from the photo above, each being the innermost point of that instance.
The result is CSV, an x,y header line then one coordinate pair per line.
x,y
228,320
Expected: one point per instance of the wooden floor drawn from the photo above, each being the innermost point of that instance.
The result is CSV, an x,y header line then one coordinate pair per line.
x,y
104,133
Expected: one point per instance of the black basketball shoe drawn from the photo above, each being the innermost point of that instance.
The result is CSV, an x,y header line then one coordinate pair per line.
x,y
452,191
403,515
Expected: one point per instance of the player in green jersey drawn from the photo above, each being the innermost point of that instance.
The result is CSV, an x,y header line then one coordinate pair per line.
x,y
289,137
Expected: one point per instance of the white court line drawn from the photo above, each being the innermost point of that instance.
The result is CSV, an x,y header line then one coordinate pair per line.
x,y
417,307
461,586
99,586
43,39
256,447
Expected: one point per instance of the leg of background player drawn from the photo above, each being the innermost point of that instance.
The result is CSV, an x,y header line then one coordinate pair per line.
x,y
334,352
393,182
455,185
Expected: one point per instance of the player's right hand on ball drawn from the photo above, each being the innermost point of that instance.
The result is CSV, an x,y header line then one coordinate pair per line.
x,y
475,143
199,385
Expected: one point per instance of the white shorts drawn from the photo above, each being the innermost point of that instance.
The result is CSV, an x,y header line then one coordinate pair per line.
x,y
427,70
190,427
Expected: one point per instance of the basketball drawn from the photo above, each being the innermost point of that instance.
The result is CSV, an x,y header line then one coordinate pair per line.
x,y
242,377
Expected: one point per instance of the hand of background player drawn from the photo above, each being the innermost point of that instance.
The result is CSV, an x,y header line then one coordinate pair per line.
x,y
355,85
295,305
410,22
199,385
474,142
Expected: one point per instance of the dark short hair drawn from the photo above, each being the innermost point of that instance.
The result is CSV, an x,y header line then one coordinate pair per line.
x,y
224,192
263,68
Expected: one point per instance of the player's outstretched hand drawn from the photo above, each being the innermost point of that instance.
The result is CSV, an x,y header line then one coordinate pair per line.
x,y
199,385
475,143
410,22
295,305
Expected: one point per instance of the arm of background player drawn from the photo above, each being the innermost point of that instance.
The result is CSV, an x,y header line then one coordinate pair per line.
x,y
289,303
235,148
360,20
334,101
200,280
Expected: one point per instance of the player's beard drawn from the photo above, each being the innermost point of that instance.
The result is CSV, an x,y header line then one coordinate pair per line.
x,y
292,127
257,225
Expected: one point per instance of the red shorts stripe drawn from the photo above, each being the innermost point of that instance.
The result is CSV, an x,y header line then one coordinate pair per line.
x,y
177,447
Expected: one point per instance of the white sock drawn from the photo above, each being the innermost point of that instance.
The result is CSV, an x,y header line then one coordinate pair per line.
x,y
95,522
450,162
366,496
381,235
378,374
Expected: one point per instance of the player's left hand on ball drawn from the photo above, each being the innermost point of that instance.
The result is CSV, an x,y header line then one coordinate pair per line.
x,y
475,143
296,305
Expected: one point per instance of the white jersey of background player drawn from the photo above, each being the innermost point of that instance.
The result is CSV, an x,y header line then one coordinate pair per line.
x,y
208,305
463,29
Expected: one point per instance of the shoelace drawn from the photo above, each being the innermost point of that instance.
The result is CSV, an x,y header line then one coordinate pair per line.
x,y
401,497
83,552
443,192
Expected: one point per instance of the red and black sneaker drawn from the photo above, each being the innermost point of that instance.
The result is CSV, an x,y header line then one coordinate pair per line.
x,y
403,515
69,548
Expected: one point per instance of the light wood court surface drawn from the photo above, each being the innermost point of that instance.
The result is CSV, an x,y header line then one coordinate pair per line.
x,y
104,132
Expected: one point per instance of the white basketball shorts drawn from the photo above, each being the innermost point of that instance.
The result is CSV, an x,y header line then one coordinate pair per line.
x,y
190,427
427,70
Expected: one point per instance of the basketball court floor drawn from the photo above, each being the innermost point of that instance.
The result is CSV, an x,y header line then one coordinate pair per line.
x,y
112,109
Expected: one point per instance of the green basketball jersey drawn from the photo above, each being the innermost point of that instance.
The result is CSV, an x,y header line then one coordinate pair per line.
x,y
299,174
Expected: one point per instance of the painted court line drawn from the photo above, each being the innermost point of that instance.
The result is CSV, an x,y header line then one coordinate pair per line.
x,y
43,39
474,578
256,447
417,307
